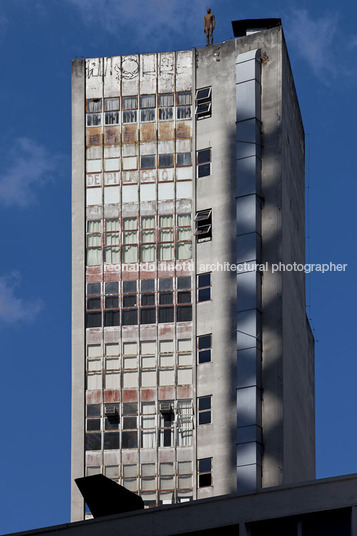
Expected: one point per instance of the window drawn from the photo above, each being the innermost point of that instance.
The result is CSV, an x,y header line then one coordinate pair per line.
x,y
204,472
94,242
204,348
111,251
204,410
184,237
166,160
166,424
93,289
129,311
184,423
111,304
203,162
94,112
166,238
148,425
148,311
147,105
130,105
166,102
203,103
94,319
203,221
130,240
93,435
183,159
183,105
204,287
111,115
147,161
130,433
148,237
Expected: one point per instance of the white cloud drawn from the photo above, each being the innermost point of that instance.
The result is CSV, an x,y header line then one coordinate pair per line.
x,y
150,21
14,309
30,166
313,39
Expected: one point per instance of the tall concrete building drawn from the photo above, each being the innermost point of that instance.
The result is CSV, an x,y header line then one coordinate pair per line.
x,y
193,363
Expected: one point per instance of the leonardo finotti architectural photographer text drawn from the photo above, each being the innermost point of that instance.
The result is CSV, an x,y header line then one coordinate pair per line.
x,y
188,266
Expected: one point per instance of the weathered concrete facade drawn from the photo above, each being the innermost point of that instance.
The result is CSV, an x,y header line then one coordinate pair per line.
x,y
190,380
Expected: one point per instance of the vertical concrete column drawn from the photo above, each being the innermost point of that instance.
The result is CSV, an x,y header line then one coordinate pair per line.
x,y
78,282
248,236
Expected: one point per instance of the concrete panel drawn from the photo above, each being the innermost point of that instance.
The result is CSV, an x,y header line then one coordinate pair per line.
x,y
94,196
166,75
130,194
248,176
184,190
147,74
130,75
94,83
248,367
166,191
111,195
93,166
184,70
147,192
111,68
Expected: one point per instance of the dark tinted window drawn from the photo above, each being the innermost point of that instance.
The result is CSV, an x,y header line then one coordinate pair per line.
x,y
165,298
148,299
111,318
93,320
93,303
148,316
184,313
93,288
184,297
147,285
166,283
129,440
183,282
129,317
111,440
166,314
112,288
93,441
111,302
129,301
129,286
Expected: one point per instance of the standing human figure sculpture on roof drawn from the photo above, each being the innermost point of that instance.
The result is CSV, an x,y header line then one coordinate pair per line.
x,y
209,25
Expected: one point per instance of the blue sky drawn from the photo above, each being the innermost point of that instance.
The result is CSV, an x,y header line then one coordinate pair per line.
x,y
38,39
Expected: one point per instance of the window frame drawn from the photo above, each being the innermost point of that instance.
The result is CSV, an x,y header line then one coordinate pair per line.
x,y
203,101
204,287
